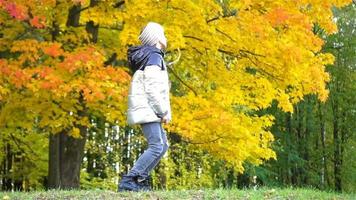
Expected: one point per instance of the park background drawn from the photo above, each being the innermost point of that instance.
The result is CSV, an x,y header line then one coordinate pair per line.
x,y
263,95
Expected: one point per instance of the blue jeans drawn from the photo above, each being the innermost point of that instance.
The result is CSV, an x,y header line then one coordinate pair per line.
x,y
157,146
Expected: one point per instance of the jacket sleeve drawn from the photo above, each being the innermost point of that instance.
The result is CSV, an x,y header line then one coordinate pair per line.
x,y
154,89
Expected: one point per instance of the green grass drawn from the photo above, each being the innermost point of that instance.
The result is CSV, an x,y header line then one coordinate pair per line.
x,y
262,193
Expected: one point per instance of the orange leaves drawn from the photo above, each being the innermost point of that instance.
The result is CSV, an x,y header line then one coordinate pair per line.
x,y
83,59
38,21
51,83
12,74
63,72
50,80
53,50
109,73
19,78
113,84
51,76
21,12
32,50
278,16
117,75
4,69
281,16
45,72
78,1
92,93
17,11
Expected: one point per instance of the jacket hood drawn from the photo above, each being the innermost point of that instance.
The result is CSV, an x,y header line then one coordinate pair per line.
x,y
141,56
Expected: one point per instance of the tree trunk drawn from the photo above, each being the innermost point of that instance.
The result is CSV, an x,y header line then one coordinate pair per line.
x,y
74,16
54,180
66,155
65,158
89,156
337,155
336,137
323,170
288,170
7,165
297,169
307,134
71,155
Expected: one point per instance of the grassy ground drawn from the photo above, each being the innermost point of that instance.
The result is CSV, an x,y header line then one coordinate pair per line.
x,y
263,193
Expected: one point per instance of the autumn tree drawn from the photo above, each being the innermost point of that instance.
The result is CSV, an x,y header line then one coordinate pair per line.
x,y
237,58
315,144
51,62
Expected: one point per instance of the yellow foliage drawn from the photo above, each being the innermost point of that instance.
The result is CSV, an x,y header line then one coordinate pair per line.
x,y
238,57
75,133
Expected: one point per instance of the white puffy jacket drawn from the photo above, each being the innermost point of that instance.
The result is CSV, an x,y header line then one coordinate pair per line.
x,y
149,96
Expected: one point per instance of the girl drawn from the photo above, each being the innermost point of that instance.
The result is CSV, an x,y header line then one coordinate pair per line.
x,y
148,103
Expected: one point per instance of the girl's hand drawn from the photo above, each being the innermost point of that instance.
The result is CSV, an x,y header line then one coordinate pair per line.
x,y
165,119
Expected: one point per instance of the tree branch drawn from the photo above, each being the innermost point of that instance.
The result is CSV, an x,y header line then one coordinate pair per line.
x,y
103,27
263,71
119,4
238,56
230,14
252,53
80,10
17,142
184,83
193,37
228,36
207,142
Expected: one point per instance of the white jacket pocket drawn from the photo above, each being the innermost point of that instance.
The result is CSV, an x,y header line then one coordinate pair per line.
x,y
154,86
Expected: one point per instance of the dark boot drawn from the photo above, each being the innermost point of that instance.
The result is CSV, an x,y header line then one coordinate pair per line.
x,y
144,183
128,183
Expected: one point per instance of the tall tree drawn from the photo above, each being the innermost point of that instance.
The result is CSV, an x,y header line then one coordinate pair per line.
x,y
342,98
61,71
314,142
